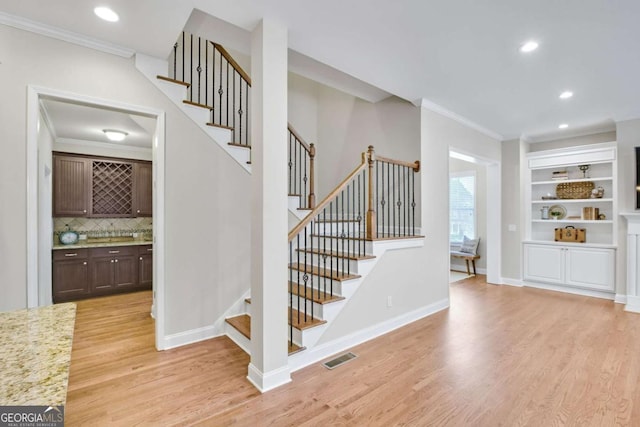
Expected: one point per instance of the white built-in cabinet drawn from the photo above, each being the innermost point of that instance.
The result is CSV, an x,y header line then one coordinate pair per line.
x,y
590,265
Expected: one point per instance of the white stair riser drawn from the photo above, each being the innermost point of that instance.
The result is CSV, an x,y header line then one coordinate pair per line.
x,y
198,114
352,266
235,336
308,337
240,153
320,311
247,308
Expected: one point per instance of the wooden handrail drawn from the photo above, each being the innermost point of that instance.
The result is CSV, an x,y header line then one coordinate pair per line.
x,y
299,138
307,219
413,165
233,63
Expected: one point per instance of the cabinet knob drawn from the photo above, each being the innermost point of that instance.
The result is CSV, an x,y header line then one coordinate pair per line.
x,y
140,258
84,263
138,210
111,261
84,211
116,260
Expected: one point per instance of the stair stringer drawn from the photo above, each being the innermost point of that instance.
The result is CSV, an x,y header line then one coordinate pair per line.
x,y
152,67
310,337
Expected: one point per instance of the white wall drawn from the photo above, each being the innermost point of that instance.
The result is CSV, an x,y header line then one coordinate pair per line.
x,y
92,149
207,238
457,165
511,210
573,141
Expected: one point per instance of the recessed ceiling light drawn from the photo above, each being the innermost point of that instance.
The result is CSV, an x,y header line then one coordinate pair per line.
x,y
529,46
106,14
115,135
566,94
563,126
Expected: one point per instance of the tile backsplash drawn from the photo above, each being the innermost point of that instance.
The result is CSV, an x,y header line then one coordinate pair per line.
x,y
94,225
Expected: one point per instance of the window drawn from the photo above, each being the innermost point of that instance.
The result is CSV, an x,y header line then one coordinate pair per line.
x,y
462,206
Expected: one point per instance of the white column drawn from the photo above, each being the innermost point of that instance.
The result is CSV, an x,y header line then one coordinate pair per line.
x,y
269,359
633,266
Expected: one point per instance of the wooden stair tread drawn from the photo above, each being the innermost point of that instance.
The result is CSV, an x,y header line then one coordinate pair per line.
x,y
336,254
235,144
170,80
294,348
322,272
298,321
313,294
294,195
242,323
219,126
195,104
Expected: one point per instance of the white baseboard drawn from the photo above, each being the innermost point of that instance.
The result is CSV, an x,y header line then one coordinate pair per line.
x,y
568,290
511,282
265,381
305,358
620,299
191,336
206,332
463,269
633,304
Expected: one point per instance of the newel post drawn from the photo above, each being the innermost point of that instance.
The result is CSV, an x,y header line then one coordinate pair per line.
x,y
372,231
312,193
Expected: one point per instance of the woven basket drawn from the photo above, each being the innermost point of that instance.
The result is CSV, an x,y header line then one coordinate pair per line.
x,y
574,190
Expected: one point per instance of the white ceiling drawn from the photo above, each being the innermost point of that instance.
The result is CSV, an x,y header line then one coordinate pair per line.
x,y
83,123
461,55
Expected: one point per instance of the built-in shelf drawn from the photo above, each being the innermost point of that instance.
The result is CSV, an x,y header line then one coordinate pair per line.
x,y
559,181
578,245
563,201
574,221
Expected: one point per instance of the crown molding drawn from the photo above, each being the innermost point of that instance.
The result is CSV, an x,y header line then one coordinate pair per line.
x,y
609,126
103,145
64,35
425,103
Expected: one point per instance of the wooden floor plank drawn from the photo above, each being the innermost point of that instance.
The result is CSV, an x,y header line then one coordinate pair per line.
x,y
498,356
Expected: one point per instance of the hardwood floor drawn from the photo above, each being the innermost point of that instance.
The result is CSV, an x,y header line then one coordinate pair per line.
x,y
499,356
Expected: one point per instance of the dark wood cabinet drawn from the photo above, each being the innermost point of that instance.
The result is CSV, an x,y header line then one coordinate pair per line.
x,y
143,189
85,273
145,267
101,187
71,186
71,275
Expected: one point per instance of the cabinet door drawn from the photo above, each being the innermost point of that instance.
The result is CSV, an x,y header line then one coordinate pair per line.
x,y
145,267
125,271
143,183
70,280
544,263
102,271
591,268
71,186
111,188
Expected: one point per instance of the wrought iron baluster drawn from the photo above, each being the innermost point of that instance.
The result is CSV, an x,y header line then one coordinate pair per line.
x,y
227,105
240,112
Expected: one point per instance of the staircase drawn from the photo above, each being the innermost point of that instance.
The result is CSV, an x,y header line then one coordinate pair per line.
x,y
338,240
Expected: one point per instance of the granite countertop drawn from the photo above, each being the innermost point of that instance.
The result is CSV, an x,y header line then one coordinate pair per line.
x,y
84,244
35,353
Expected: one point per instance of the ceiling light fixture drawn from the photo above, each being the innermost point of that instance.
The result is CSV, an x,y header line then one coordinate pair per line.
x,y
529,46
106,14
563,126
115,135
566,94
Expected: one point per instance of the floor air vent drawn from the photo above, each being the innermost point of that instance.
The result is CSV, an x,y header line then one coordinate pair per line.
x,y
334,363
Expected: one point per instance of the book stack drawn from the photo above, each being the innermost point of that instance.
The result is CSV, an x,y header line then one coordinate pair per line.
x,y
560,175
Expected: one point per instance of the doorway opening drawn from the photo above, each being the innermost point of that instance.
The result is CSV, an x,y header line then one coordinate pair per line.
x,y
75,125
474,217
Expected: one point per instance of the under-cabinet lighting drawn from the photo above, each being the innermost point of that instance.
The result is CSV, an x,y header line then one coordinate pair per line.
x,y
115,135
106,14
563,126
566,94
